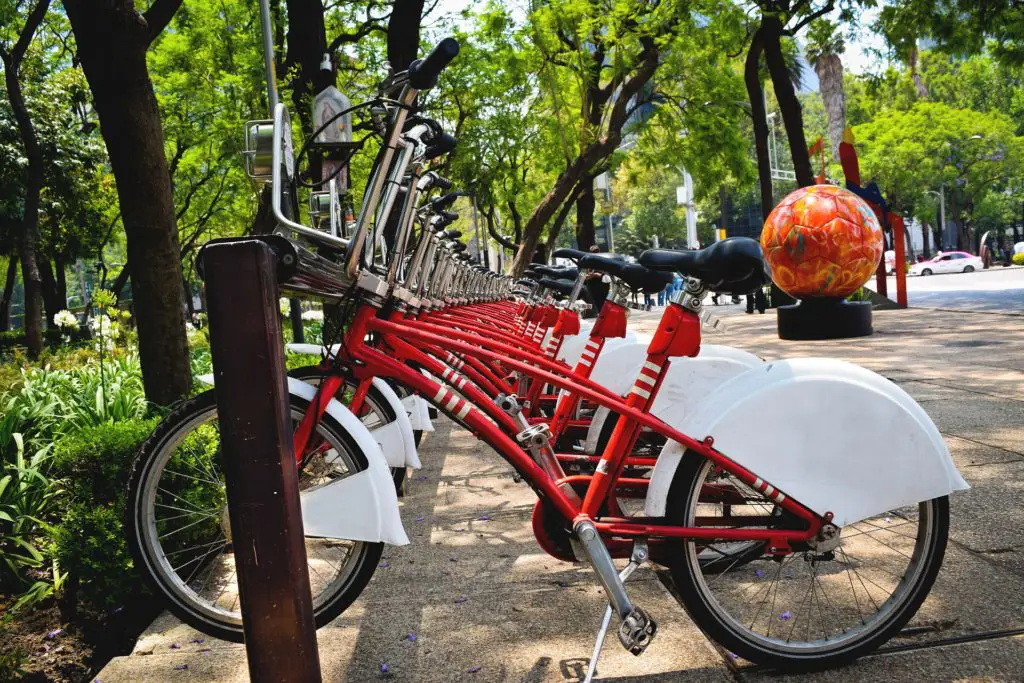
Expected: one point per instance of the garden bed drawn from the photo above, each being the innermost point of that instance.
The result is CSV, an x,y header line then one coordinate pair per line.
x,y
44,646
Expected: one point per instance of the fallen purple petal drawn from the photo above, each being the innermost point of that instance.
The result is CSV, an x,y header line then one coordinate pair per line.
x,y
50,635
411,637
460,529
198,640
460,600
118,610
453,559
385,669
175,646
759,573
484,518
473,670
420,519
785,616
383,565
733,655
181,667
788,575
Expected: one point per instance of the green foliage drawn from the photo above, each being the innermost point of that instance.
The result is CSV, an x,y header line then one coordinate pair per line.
x,y
88,537
27,497
89,543
94,462
50,403
932,144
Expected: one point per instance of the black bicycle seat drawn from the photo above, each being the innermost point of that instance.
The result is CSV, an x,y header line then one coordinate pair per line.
x,y
733,266
558,272
526,282
563,287
573,255
603,263
642,279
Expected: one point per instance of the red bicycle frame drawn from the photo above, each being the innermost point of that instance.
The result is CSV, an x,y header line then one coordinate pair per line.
x,y
678,334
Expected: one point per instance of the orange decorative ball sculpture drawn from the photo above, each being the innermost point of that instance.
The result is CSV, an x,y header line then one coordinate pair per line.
x,y
822,242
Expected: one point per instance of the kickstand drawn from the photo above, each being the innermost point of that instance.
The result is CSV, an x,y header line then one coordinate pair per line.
x,y
638,557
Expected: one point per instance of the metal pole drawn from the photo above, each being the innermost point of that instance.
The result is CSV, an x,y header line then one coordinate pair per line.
x,y
259,464
942,210
481,249
267,26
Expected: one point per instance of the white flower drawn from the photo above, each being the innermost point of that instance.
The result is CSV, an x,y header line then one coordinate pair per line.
x,y
103,326
310,316
284,305
65,320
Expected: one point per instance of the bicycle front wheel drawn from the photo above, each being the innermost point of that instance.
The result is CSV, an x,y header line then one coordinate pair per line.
x,y
815,607
179,530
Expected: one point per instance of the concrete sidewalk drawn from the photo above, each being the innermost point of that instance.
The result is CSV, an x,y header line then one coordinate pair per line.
x,y
484,603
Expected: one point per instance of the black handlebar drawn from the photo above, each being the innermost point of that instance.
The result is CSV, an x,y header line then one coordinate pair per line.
x,y
444,201
442,182
438,145
452,234
423,73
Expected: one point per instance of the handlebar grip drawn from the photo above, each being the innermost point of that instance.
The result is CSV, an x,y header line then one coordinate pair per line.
x,y
449,215
423,73
443,183
452,234
440,144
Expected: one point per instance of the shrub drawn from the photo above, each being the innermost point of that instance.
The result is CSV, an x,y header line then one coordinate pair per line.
x,y
89,538
89,544
1018,259
95,462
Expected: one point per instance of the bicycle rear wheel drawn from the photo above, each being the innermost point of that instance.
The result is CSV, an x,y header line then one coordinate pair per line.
x,y
815,607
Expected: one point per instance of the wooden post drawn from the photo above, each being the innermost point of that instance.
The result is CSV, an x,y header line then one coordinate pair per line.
x,y
260,472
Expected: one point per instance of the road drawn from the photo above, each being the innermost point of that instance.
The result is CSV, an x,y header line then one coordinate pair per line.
x,y
996,290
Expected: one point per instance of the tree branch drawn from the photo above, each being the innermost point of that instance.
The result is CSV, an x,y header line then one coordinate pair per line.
x,y
32,22
159,15
825,9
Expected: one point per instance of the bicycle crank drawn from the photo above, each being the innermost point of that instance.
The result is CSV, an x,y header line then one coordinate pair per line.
x,y
636,628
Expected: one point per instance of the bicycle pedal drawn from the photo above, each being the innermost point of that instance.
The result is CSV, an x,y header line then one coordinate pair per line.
x,y
637,631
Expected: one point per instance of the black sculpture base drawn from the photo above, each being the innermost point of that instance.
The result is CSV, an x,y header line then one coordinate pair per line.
x,y
825,319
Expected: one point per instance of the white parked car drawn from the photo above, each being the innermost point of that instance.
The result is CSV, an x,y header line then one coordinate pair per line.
x,y
949,262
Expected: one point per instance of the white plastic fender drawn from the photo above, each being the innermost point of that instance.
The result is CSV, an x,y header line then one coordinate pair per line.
x,y
572,347
342,508
687,383
832,435
403,449
395,438
419,413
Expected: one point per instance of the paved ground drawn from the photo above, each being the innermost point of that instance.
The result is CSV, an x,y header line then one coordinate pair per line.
x,y
480,597
999,290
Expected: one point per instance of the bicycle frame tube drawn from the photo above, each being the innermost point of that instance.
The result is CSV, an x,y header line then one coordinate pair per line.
x,y
632,419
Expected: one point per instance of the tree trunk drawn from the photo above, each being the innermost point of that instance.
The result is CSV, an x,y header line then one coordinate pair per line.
x,y
556,225
922,89
830,80
789,105
925,250
52,302
752,79
586,233
112,39
5,300
404,33
27,232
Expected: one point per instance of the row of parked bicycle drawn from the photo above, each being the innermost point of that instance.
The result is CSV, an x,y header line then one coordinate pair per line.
x,y
800,506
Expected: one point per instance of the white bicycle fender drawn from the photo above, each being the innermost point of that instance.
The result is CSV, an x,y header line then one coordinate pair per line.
x,y
417,410
832,435
341,509
687,383
406,448
398,443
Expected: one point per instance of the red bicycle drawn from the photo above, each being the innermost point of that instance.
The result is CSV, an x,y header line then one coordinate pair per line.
x,y
814,560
